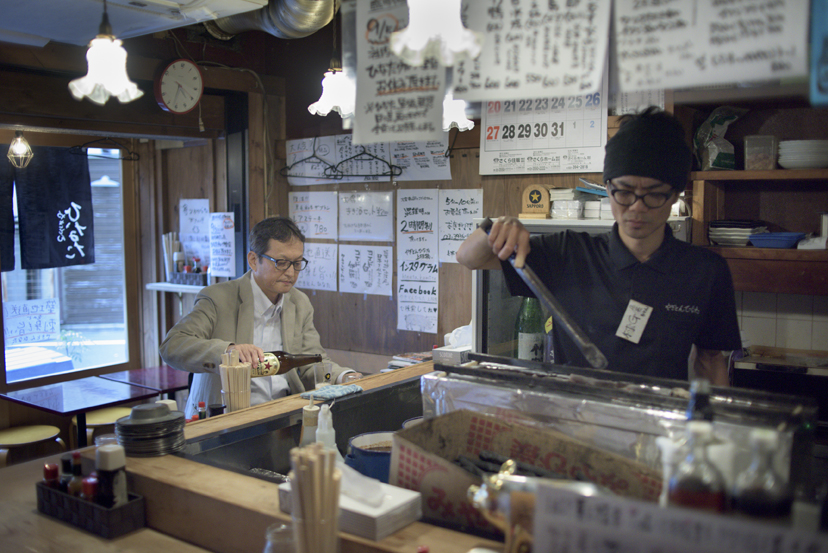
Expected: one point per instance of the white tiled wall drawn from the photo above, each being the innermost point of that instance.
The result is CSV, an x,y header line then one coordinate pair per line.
x,y
783,320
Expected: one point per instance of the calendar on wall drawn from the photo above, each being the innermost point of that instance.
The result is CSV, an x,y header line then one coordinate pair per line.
x,y
564,134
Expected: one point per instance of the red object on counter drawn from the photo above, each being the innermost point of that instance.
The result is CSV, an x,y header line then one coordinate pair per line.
x,y
51,475
89,488
422,549
188,268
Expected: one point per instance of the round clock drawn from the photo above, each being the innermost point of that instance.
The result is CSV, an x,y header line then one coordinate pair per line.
x,y
178,88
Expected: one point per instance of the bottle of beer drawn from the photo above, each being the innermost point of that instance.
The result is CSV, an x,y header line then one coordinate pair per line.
x,y
279,362
529,332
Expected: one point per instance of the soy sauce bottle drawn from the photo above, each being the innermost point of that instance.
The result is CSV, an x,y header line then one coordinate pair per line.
x,y
759,490
696,482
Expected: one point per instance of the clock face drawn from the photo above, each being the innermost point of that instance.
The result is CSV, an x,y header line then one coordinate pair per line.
x,y
179,87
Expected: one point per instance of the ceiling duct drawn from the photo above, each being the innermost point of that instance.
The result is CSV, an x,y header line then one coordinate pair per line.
x,y
280,18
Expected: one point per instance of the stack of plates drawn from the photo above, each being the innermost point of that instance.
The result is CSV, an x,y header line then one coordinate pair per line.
x,y
734,232
803,154
150,430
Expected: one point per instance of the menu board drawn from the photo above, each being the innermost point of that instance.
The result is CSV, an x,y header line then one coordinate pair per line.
x,y
422,160
534,49
417,305
222,244
194,229
708,42
564,134
417,274
314,213
365,269
320,274
458,209
366,216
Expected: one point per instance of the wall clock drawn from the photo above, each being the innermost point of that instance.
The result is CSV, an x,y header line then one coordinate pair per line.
x,y
179,87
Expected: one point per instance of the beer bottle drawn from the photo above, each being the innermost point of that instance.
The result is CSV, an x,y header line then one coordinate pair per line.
x,y
279,362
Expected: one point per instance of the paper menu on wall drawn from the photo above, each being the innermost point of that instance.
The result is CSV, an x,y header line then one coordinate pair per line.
x,y
422,160
222,244
366,216
417,295
705,42
534,49
194,230
31,321
320,274
417,224
315,213
365,269
417,281
458,209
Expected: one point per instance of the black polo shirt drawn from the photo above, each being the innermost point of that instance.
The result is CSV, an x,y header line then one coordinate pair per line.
x,y
594,277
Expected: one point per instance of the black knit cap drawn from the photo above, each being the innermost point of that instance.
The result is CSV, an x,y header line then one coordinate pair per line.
x,y
650,144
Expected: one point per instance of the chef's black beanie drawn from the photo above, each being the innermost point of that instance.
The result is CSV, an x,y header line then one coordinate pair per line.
x,y
650,144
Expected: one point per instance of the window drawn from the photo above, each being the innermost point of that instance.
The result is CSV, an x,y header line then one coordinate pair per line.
x,y
71,319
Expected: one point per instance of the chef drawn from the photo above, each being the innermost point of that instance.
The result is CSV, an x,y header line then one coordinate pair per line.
x,y
654,305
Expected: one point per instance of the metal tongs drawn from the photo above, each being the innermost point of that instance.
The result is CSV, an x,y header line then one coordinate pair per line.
x,y
593,355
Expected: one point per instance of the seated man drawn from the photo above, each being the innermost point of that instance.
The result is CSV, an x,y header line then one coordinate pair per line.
x,y
261,311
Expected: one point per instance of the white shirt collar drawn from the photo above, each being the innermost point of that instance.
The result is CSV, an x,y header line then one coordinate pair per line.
x,y
262,306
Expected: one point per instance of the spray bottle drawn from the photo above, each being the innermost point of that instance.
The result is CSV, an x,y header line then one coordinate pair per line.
x,y
325,433
310,415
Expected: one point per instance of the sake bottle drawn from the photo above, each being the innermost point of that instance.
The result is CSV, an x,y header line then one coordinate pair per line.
x,y
529,332
279,362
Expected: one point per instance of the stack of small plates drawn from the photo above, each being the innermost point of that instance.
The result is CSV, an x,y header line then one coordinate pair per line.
x,y
803,154
150,430
734,232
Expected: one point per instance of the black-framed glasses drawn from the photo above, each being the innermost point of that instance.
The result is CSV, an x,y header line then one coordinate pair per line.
x,y
283,264
628,197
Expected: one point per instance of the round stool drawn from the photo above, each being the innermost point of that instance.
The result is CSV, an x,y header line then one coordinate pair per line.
x,y
19,436
101,421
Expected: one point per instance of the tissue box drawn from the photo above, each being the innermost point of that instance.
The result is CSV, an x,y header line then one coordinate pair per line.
x,y
451,355
399,508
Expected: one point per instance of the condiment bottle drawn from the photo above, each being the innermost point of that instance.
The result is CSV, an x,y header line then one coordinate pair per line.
x,y
110,462
759,490
279,362
529,331
696,482
699,408
202,410
66,471
310,419
89,489
51,477
75,484
325,433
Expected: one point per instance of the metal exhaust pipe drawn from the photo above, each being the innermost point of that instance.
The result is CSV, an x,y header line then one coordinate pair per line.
x,y
281,18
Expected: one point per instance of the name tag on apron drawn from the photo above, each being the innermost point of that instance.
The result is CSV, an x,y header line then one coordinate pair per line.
x,y
634,321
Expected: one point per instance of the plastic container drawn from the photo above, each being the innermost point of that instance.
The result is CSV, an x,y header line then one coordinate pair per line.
x,y
107,523
760,152
776,239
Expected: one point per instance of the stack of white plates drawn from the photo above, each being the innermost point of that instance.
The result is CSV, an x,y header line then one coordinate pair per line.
x,y
151,429
803,154
734,232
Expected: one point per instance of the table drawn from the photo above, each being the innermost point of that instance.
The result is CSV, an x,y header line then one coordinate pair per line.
x,y
164,379
76,397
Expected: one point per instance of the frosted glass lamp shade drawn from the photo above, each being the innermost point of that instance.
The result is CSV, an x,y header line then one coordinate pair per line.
x,y
107,75
454,114
338,94
435,30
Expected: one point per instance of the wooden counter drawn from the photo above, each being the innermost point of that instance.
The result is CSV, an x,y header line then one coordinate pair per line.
x,y
211,508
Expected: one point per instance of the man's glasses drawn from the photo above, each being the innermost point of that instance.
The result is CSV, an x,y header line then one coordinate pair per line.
x,y
628,197
283,264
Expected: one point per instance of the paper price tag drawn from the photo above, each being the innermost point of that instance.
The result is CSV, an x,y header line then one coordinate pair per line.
x,y
634,321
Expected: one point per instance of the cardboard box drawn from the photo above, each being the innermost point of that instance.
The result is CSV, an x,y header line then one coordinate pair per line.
x,y
422,459
451,355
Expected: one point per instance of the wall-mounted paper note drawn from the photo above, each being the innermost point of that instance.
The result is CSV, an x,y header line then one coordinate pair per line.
x,y
222,244
417,306
458,209
30,321
365,269
194,230
314,213
320,274
366,216
417,224
422,160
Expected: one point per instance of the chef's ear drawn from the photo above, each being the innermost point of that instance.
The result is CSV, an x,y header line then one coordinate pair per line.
x,y
252,260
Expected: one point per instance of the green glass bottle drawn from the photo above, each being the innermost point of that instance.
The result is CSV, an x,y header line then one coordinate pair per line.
x,y
529,332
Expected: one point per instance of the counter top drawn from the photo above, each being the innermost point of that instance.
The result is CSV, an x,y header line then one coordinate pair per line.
x,y
210,508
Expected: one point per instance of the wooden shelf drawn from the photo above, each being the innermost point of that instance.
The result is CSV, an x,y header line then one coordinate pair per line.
x,y
771,254
773,175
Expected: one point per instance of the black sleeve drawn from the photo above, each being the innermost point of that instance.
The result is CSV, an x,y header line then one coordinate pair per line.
x,y
720,330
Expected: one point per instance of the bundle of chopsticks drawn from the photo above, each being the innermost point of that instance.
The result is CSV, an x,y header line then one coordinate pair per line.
x,y
314,482
170,245
235,381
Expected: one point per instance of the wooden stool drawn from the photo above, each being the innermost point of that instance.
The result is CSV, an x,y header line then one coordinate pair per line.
x,y
20,436
101,419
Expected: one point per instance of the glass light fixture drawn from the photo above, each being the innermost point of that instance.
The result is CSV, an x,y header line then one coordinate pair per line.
x,y
454,114
20,153
338,89
107,75
435,30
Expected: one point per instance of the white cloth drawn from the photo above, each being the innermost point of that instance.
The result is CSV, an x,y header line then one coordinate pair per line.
x,y
267,334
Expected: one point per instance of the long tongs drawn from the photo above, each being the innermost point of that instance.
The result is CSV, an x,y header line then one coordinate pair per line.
x,y
588,349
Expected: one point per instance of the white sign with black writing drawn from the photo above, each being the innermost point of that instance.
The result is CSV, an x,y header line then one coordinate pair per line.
x,y
564,134
417,224
417,285
422,160
194,230
365,269
458,209
222,244
311,160
314,213
394,100
30,321
366,216
707,42
320,274
534,49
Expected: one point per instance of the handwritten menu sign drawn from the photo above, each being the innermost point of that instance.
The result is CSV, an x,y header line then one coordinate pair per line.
x,y
394,100
222,244
314,213
632,102
564,134
320,274
417,224
366,216
365,269
534,49
707,42
422,160
194,230
311,160
458,209
29,321
369,163
417,295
